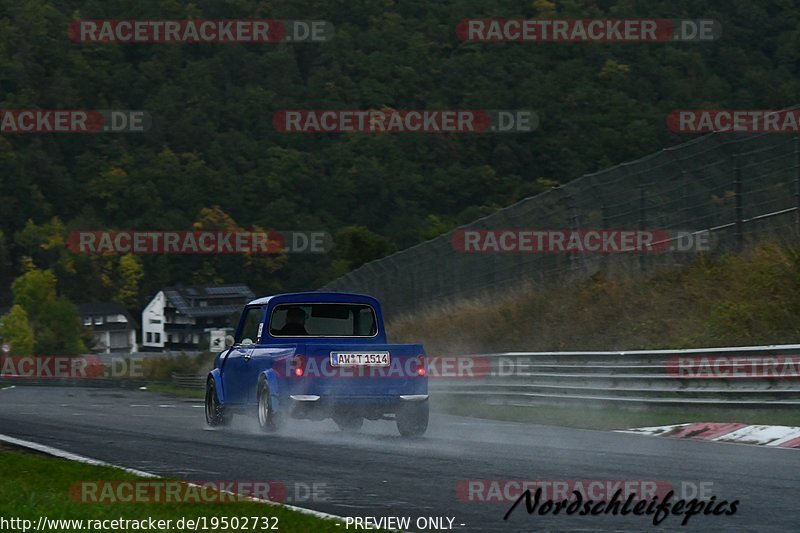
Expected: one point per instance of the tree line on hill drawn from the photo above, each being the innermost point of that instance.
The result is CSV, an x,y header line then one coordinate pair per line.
x,y
213,160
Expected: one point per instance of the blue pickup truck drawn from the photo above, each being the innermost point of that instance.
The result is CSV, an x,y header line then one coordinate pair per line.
x,y
317,355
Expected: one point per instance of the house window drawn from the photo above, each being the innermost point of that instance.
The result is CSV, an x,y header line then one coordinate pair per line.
x,y
169,337
149,337
87,321
98,320
158,337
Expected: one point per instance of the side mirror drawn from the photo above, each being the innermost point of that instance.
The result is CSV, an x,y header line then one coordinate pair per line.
x,y
229,341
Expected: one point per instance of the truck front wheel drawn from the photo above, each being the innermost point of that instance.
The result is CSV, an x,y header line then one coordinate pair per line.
x,y
215,413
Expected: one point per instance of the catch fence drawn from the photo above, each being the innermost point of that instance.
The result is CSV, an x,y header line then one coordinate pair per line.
x,y
729,189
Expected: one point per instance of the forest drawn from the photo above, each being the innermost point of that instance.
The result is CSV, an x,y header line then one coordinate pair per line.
x,y
213,160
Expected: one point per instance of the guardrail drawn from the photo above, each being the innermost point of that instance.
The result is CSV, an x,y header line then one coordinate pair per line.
x,y
189,381
748,376
753,376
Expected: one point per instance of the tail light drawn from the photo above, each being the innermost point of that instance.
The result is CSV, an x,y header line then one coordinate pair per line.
x,y
298,366
421,365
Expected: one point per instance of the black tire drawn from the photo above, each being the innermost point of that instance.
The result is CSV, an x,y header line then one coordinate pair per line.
x,y
269,420
412,419
349,423
215,413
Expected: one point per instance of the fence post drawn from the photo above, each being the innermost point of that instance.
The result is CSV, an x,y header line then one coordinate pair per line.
x,y
604,223
737,196
642,221
797,184
412,285
573,226
685,200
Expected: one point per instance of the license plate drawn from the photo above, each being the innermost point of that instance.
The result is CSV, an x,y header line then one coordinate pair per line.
x,y
360,359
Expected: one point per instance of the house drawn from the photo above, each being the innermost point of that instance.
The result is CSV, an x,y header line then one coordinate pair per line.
x,y
113,327
186,318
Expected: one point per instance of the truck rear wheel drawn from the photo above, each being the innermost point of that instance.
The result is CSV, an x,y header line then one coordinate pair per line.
x,y
412,419
269,420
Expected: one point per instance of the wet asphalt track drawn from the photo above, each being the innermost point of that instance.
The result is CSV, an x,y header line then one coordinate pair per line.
x,y
375,472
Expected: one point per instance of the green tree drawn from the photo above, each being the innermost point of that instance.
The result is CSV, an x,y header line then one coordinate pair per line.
x,y
53,320
60,331
35,291
356,245
15,331
130,273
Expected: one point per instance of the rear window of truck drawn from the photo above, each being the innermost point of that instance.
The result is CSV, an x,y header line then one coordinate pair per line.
x,y
323,320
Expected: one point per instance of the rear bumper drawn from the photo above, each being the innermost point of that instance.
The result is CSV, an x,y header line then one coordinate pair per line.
x,y
315,398
319,407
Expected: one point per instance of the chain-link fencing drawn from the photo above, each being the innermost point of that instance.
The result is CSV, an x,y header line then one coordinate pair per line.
x,y
731,189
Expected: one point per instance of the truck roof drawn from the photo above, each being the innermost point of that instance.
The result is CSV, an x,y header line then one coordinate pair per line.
x,y
319,296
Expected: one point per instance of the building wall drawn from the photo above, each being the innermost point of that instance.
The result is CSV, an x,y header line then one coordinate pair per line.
x,y
153,322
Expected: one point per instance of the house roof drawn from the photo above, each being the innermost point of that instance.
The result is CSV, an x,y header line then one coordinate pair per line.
x,y
101,308
221,300
92,309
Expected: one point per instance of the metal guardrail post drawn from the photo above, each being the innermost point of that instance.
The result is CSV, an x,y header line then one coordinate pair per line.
x,y
797,184
737,196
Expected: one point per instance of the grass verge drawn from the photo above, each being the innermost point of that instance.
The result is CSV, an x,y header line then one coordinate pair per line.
x,y
34,485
